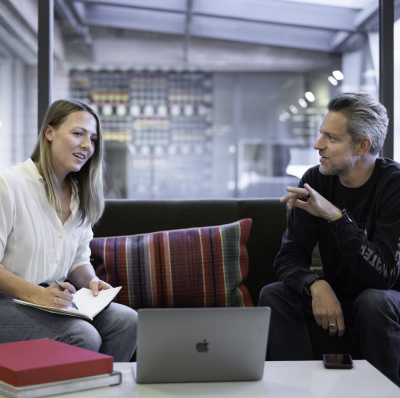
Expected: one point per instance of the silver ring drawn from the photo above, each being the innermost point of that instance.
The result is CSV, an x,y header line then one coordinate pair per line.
x,y
56,300
332,326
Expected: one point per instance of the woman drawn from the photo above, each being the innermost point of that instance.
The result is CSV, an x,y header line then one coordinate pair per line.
x,y
47,207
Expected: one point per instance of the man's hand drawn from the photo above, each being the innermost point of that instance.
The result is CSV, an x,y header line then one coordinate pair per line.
x,y
96,284
316,204
326,307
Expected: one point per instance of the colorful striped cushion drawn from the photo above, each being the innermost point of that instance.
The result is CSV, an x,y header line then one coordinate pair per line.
x,y
198,267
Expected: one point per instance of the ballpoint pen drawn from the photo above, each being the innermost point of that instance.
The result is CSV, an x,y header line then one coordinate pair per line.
x,y
65,290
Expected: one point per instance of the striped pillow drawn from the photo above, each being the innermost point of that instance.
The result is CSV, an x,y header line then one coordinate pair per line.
x,y
197,267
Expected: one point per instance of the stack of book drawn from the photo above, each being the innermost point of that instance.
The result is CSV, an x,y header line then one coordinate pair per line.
x,y
38,368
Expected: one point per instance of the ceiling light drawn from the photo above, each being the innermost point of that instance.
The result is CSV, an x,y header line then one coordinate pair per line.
x,y
338,75
332,80
294,109
1,123
310,96
282,118
303,103
286,115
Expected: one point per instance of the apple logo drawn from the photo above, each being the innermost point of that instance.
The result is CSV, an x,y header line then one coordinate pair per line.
x,y
202,347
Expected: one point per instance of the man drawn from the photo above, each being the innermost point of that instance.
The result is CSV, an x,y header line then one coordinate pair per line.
x,y
350,205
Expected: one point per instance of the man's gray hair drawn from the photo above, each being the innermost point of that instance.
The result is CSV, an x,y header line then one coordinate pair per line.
x,y
366,117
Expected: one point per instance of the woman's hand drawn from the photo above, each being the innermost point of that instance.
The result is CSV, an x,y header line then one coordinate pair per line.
x,y
96,284
52,296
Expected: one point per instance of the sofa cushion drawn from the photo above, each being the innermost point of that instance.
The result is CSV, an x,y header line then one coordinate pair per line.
x,y
197,267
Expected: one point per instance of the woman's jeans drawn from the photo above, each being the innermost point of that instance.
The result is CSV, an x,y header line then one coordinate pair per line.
x,y
112,332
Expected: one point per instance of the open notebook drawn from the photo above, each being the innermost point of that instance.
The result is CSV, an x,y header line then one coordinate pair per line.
x,y
89,306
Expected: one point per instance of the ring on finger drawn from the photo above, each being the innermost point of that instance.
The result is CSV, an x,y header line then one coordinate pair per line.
x,y
332,326
56,300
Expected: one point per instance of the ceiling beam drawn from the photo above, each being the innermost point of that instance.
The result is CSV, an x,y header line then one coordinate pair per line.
x,y
267,11
365,16
154,5
22,19
363,21
135,19
14,45
77,27
18,28
210,27
261,33
280,12
5,53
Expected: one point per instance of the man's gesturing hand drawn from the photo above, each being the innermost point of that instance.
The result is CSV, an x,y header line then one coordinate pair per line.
x,y
316,204
326,308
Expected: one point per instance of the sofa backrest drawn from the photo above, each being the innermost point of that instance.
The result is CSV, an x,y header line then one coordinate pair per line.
x,y
130,217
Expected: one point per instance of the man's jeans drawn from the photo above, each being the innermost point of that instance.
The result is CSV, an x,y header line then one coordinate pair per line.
x,y
375,314
112,332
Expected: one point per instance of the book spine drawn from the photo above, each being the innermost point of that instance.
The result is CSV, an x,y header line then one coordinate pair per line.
x,y
64,371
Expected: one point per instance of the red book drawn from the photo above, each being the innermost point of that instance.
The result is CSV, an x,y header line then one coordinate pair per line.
x,y
30,362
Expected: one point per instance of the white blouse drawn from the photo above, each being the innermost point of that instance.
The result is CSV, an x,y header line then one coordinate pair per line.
x,y
34,244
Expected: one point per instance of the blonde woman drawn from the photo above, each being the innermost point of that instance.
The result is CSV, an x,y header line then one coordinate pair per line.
x,y
48,205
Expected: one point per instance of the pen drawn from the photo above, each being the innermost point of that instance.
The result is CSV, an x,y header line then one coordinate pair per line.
x,y
64,290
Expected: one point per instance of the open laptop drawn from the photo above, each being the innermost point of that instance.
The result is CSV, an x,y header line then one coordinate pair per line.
x,y
201,344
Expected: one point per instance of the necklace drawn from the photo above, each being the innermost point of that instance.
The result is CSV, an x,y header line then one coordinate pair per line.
x,y
67,195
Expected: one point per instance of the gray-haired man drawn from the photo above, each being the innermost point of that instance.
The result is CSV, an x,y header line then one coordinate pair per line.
x,y
350,205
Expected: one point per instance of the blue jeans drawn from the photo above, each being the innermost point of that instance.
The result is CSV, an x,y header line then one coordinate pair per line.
x,y
112,332
375,314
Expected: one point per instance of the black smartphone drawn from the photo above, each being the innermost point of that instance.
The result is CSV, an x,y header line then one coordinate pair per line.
x,y
338,361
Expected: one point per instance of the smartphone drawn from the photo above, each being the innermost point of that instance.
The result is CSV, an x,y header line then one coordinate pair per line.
x,y
338,361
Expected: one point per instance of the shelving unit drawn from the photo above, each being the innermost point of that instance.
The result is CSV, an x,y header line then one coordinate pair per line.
x,y
164,119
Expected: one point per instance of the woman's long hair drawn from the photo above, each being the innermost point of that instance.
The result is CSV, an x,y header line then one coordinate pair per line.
x,y
89,179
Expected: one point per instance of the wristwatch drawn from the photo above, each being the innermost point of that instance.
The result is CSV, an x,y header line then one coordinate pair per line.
x,y
345,219
310,281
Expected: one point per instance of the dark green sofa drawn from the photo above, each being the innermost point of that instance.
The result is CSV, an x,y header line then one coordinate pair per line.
x,y
129,217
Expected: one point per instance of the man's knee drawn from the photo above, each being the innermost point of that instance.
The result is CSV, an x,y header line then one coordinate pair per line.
x,y
372,302
271,294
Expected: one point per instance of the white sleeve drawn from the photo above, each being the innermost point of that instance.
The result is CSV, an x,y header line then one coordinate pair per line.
x,y
6,216
83,252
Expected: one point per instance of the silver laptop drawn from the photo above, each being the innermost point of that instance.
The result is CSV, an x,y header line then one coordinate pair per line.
x,y
201,344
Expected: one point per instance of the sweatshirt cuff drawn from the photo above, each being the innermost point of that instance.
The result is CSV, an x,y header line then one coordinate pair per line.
x,y
344,232
301,282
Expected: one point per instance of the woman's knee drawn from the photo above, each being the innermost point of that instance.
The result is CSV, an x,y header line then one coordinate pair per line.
x,y
125,317
83,335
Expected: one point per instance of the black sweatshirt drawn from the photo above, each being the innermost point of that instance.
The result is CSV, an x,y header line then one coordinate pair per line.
x,y
357,256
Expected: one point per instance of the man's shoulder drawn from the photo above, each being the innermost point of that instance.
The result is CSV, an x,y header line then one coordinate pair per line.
x,y
387,170
387,164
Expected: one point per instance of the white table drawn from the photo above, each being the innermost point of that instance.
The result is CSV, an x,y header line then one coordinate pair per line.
x,y
281,380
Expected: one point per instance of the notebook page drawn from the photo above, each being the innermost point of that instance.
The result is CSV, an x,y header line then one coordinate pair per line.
x,y
92,305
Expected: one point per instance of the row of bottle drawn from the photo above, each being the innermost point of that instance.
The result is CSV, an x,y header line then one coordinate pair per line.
x,y
182,150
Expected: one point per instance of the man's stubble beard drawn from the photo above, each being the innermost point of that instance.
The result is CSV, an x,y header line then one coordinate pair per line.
x,y
338,169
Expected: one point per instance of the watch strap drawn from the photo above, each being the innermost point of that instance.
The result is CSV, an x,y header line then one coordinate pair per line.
x,y
345,219
310,281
